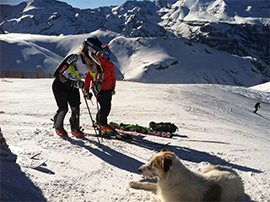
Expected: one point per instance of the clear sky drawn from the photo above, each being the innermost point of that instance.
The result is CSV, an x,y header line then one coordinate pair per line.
x,y
76,3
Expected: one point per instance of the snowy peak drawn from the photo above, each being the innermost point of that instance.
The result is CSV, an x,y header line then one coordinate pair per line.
x,y
221,11
48,17
136,19
47,3
164,17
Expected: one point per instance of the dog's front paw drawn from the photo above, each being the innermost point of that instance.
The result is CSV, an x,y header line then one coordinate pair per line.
x,y
147,186
134,184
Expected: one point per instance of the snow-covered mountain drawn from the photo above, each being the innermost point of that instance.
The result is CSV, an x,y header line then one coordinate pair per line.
x,y
143,18
239,28
154,60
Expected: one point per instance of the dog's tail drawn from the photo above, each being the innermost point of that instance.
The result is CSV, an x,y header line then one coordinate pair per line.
x,y
226,168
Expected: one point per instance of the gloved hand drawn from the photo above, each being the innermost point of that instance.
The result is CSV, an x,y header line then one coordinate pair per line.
x,y
96,88
113,91
78,84
100,77
88,95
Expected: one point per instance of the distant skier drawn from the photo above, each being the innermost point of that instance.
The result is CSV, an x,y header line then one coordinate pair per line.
x,y
68,81
257,106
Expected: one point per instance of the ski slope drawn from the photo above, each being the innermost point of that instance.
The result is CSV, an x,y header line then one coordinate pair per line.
x,y
216,125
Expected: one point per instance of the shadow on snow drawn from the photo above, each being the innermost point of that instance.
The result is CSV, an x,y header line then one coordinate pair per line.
x,y
130,164
16,186
196,156
110,156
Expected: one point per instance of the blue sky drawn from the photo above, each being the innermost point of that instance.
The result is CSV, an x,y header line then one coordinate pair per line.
x,y
76,3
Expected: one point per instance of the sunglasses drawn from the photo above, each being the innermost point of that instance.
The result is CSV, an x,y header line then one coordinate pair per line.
x,y
106,53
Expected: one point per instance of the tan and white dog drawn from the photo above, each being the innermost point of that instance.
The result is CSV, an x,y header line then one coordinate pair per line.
x,y
178,183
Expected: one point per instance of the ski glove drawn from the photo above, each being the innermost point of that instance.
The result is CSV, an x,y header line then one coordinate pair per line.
x,y
100,77
87,94
96,88
113,91
78,84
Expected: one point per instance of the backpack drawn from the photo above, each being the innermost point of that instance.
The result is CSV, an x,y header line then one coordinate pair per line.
x,y
166,127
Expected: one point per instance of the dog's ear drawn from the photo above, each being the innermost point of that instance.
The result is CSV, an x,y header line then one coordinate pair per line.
x,y
163,150
167,163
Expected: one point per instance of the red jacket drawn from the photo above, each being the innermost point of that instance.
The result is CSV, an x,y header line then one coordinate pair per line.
x,y
109,79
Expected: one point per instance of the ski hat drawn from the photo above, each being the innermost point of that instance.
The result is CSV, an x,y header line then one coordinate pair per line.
x,y
92,48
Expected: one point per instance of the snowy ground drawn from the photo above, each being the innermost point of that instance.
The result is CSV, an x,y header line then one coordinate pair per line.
x,y
216,126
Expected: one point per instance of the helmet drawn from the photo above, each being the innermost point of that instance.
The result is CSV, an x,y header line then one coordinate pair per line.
x,y
92,48
107,50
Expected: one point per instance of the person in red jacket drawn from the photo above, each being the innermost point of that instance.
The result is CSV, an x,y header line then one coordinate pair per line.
x,y
104,97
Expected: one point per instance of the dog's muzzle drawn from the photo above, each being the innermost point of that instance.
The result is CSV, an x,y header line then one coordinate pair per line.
x,y
146,171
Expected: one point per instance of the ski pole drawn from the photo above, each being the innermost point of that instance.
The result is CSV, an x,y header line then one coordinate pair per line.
x,y
91,99
76,73
91,118
92,102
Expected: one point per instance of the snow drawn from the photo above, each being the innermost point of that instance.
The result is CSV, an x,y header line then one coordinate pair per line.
x,y
189,84
262,87
216,125
221,10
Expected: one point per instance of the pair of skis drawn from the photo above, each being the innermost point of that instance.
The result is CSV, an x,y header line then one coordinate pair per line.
x,y
145,131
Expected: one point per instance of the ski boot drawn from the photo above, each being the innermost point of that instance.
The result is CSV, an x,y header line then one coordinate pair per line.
x,y
124,137
61,132
58,120
106,131
95,125
75,122
122,126
77,133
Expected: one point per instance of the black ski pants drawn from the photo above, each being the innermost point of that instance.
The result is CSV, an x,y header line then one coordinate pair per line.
x,y
104,100
65,95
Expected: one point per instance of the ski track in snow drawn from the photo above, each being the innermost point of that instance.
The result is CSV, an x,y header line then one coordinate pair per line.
x,y
215,121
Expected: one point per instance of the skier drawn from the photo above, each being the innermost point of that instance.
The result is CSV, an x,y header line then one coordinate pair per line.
x,y
68,81
257,106
104,97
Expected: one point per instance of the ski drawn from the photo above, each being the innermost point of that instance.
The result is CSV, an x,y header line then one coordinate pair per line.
x,y
129,139
32,161
149,132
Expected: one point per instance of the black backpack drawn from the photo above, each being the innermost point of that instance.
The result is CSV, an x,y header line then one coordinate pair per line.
x,y
166,127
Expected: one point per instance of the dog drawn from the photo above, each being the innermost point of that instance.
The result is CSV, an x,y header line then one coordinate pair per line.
x,y
177,183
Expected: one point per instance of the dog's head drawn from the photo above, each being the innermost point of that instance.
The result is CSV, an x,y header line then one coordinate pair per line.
x,y
159,165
